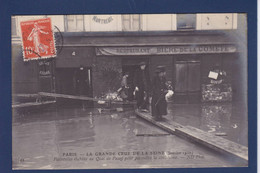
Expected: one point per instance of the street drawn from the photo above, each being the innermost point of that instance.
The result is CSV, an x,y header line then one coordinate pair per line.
x,y
73,138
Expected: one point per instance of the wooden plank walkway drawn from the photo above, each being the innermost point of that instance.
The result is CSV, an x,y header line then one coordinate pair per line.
x,y
66,96
26,95
30,104
207,139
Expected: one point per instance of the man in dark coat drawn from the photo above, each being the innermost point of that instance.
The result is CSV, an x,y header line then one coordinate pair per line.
x,y
159,90
142,86
81,77
82,87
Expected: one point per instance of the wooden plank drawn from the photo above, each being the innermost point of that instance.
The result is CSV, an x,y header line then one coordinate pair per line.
x,y
207,139
26,95
214,142
147,130
167,125
30,104
66,96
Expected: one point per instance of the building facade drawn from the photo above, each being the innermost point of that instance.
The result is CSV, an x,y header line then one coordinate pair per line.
x,y
189,45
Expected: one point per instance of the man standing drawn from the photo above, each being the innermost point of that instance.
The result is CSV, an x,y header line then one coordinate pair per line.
x,y
142,87
82,87
159,91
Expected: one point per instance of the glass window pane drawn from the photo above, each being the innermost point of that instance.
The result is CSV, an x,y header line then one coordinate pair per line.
x,y
136,22
136,25
186,21
79,17
71,25
75,23
80,22
136,17
70,17
126,24
126,17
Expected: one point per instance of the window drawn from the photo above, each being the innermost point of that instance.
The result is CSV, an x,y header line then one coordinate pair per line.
x,y
186,21
14,26
74,23
215,21
131,22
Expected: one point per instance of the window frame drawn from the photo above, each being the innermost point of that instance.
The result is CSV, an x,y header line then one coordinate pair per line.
x,y
76,22
192,27
131,23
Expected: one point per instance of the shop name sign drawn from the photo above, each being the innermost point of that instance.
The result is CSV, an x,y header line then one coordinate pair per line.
x,y
102,21
165,50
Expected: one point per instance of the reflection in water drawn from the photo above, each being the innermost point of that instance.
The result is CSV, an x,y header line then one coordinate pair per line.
x,y
42,139
216,118
228,120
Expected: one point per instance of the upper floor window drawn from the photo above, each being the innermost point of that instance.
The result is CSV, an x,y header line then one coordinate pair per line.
x,y
186,21
131,22
14,26
74,23
214,21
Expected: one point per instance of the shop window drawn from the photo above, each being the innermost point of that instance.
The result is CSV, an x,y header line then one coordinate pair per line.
x,y
131,22
186,21
74,23
14,26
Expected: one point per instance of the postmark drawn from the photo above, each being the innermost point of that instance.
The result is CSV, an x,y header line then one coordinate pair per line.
x,y
38,39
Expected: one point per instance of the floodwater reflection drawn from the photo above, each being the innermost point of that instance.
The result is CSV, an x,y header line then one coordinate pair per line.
x,y
228,120
69,138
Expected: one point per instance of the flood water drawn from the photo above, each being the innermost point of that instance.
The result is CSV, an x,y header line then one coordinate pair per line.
x,y
73,138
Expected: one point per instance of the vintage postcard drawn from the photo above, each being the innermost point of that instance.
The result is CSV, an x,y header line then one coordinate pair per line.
x,y
129,91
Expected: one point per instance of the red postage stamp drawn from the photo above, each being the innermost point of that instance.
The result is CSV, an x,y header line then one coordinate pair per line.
x,y
37,39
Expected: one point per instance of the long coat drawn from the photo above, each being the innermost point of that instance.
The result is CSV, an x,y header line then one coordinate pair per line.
x,y
140,77
81,79
142,81
159,90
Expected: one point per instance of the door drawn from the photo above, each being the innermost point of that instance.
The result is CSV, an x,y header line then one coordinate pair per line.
x,y
46,75
187,81
66,83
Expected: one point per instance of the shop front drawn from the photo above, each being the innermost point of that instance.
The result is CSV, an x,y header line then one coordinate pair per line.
x,y
188,59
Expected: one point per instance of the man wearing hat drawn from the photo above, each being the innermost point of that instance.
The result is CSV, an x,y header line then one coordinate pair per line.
x,y
142,86
159,90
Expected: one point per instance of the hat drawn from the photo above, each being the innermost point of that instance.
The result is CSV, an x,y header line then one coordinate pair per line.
x,y
142,63
160,69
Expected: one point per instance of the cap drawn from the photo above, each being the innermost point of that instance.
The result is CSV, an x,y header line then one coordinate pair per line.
x,y
142,63
160,69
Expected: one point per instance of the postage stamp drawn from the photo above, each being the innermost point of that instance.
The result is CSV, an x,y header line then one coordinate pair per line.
x,y
37,39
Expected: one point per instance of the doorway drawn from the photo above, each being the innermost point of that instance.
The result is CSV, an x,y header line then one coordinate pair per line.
x,y
130,65
73,81
187,81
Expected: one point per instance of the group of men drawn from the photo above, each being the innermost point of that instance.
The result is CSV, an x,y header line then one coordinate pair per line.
x,y
144,88
156,88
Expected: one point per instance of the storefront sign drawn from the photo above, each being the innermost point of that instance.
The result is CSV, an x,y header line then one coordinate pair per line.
x,y
165,50
107,20
44,69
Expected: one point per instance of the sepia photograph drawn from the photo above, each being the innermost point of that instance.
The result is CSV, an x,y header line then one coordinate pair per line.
x,y
129,91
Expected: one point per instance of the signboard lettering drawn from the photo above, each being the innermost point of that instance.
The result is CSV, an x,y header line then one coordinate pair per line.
x,y
102,21
164,50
